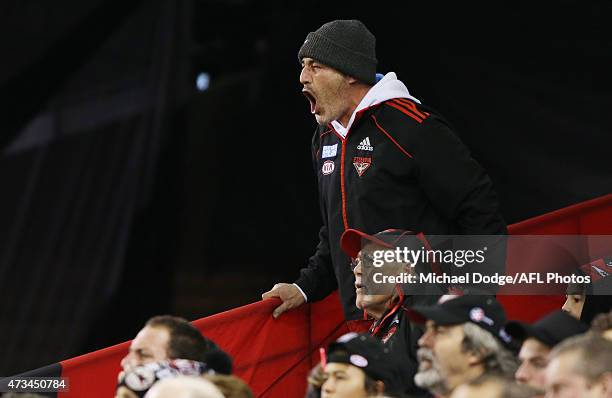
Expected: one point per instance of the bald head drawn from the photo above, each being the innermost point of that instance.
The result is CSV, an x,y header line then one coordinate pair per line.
x,y
184,387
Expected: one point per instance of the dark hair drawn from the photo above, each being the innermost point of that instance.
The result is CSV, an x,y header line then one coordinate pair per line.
x,y
186,342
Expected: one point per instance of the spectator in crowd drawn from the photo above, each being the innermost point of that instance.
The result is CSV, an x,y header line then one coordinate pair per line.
x,y
230,386
184,387
584,301
358,366
136,381
602,324
537,341
422,177
168,337
466,340
386,304
580,366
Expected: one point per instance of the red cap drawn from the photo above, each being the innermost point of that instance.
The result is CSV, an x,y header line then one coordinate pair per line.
x,y
352,239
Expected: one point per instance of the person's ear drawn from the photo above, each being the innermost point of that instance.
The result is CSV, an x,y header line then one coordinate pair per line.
x,y
350,79
474,358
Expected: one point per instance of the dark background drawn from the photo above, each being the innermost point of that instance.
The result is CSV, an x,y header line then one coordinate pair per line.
x,y
126,192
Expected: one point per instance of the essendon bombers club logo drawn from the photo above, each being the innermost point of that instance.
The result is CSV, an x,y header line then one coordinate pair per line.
x,y
361,164
328,167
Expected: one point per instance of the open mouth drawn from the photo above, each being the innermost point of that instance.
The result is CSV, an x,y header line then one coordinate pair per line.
x,y
311,99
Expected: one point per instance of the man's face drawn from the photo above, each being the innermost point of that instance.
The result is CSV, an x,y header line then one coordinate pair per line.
x,y
326,90
363,272
533,359
574,304
562,380
343,381
150,345
445,343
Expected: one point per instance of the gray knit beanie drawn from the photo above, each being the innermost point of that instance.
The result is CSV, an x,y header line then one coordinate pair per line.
x,y
345,45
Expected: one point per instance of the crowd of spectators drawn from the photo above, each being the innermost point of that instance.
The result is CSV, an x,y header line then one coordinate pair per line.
x,y
447,346
465,348
450,344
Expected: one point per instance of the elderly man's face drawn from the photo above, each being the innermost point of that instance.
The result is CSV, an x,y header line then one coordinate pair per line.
x,y
343,381
150,345
368,295
326,90
533,358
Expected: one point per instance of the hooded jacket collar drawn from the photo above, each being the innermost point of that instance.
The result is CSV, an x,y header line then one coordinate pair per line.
x,y
387,88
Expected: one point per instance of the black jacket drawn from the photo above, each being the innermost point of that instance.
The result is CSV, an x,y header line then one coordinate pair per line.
x,y
400,166
401,336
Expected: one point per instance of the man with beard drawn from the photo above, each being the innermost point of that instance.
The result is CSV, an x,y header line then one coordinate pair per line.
x,y
428,376
464,340
382,160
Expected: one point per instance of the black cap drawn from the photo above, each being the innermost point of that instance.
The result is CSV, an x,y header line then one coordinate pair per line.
x,y
483,311
370,355
345,45
550,330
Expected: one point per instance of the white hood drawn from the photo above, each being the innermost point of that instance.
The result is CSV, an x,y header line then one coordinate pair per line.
x,y
387,88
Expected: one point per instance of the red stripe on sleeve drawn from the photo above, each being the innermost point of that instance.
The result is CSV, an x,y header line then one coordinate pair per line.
x,y
412,107
405,152
405,111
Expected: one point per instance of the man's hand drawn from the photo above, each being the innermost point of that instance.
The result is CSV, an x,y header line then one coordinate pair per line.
x,y
288,293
